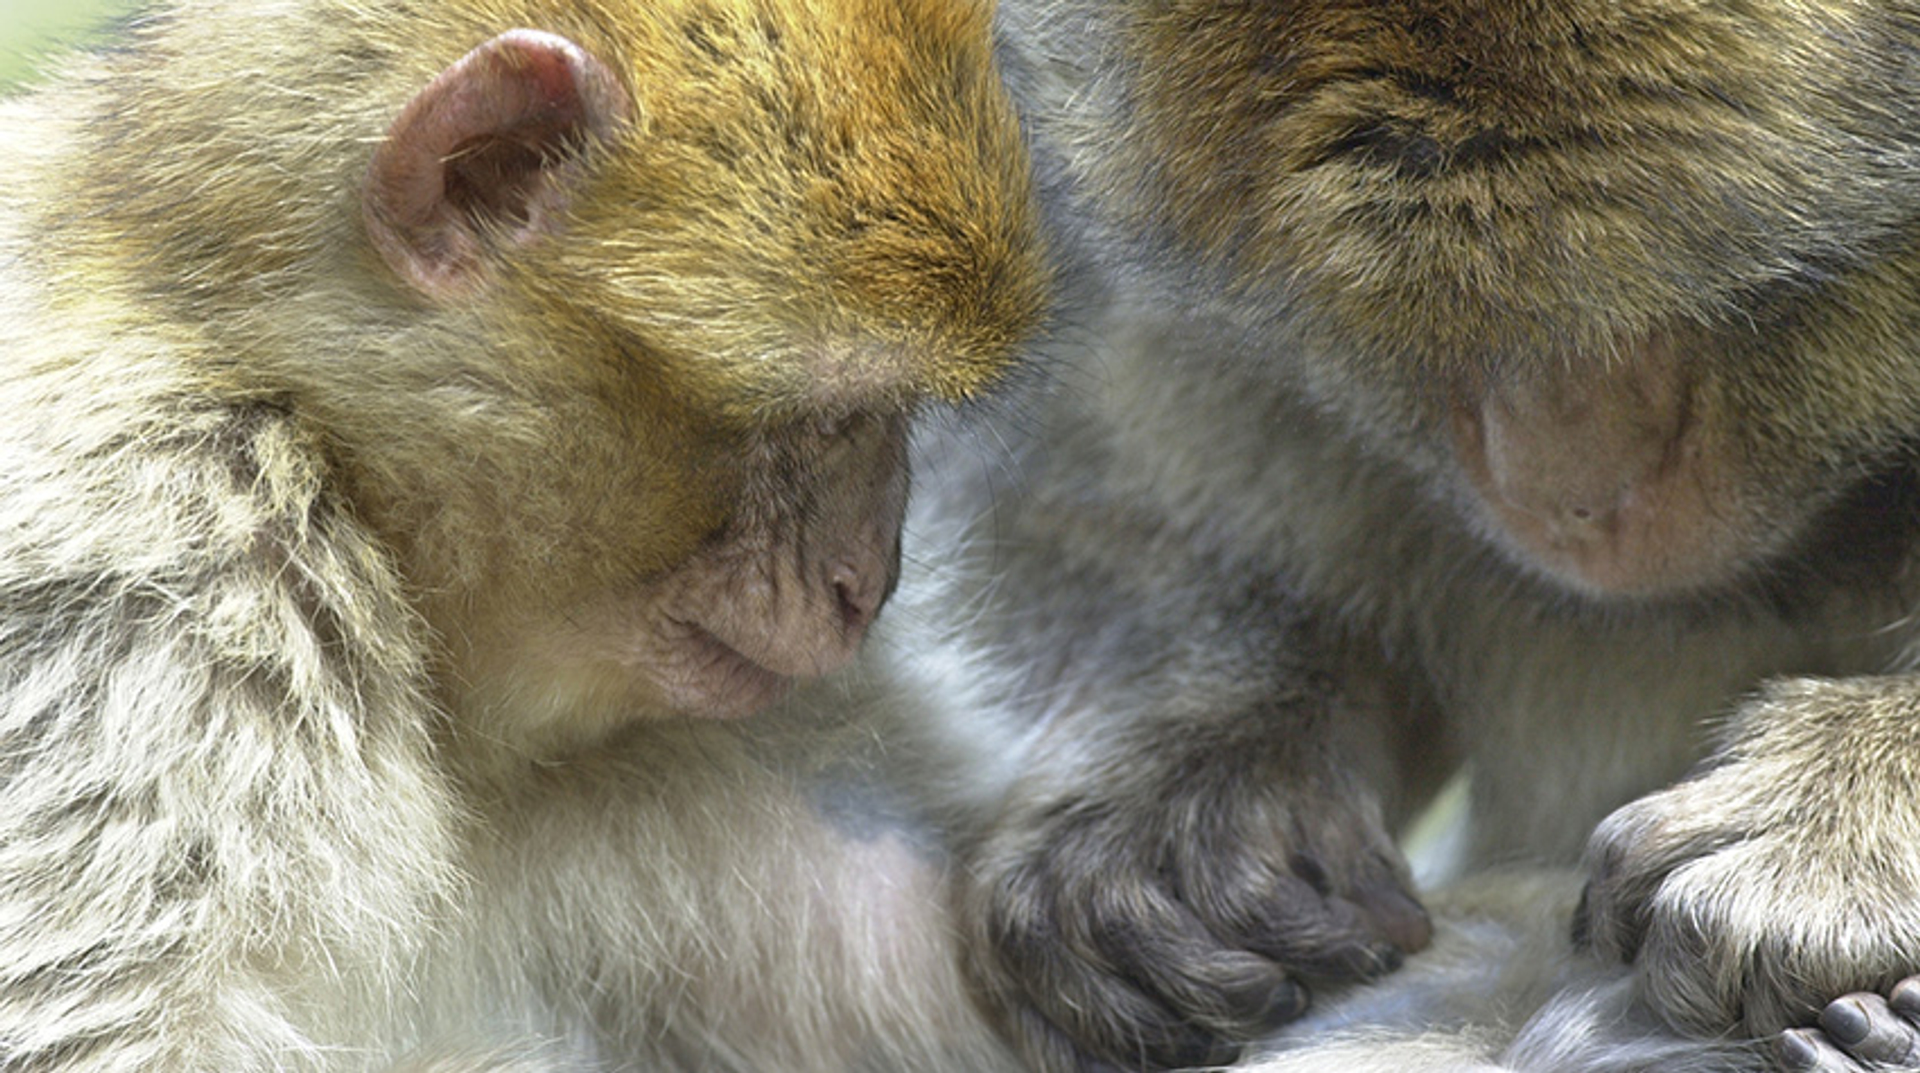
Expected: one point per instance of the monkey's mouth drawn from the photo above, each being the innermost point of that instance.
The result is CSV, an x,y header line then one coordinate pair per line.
x,y
716,680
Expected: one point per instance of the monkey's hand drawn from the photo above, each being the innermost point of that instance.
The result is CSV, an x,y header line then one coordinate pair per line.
x,y
1858,1033
1166,902
1786,873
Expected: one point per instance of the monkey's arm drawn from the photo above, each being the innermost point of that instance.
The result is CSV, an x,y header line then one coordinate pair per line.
x,y
214,801
1784,874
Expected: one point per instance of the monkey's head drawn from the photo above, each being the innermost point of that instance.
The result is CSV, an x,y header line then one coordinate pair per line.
x,y
638,300
719,253
1634,280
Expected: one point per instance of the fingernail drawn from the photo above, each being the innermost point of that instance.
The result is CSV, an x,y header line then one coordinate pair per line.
x,y
1290,1002
1906,996
1797,1052
1846,1021
1397,914
1386,959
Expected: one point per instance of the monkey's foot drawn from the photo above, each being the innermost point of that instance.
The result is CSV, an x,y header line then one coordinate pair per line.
x,y
1859,1033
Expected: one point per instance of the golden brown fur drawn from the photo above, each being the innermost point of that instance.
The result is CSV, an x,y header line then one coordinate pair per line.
x,y
420,418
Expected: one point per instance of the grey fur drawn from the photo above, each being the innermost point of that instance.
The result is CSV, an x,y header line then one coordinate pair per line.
x,y
1229,607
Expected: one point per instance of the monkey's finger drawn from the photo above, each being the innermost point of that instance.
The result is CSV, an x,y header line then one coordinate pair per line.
x,y
1905,998
1392,908
1353,927
1121,973
1807,1050
1323,936
1100,1018
1866,1027
1162,947
1629,858
1615,911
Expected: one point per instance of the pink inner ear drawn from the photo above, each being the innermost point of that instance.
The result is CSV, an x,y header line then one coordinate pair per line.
x,y
485,153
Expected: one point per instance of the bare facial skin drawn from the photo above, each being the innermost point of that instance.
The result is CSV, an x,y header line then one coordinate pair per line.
x,y
770,599
1605,474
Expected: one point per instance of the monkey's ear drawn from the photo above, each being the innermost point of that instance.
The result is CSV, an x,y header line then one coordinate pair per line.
x,y
486,155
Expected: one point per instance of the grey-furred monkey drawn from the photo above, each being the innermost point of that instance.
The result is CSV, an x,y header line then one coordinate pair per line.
x,y
1526,385
424,424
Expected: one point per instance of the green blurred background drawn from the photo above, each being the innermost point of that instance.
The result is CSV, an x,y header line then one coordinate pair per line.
x,y
29,29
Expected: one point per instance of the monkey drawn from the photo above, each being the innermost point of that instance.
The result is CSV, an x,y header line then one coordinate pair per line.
x,y
438,436
1524,389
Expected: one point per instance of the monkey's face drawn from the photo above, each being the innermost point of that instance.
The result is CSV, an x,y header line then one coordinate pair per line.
x,y
788,585
700,270
1632,281
705,586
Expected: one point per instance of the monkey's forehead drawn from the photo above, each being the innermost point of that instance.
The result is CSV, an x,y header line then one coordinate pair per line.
x,y
752,351
810,295
838,209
